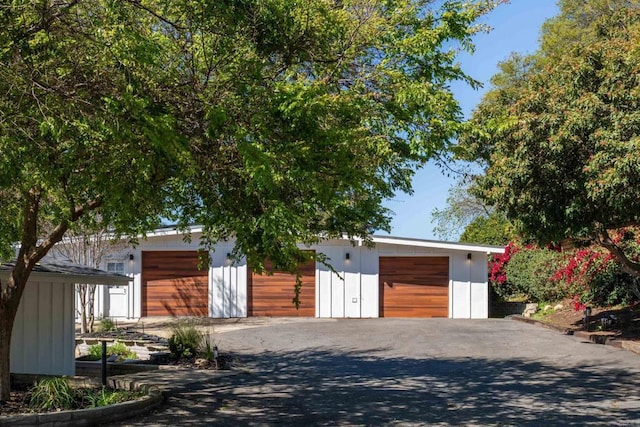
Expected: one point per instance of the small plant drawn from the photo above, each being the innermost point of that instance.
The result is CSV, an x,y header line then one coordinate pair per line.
x,y
106,325
52,393
106,397
208,349
185,340
117,349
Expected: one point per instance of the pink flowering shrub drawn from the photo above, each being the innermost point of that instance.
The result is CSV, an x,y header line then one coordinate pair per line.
x,y
588,275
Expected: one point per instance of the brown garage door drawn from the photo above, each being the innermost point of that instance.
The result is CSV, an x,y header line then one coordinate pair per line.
x,y
172,284
414,286
272,295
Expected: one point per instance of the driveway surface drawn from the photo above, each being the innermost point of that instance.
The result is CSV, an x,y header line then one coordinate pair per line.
x,y
407,372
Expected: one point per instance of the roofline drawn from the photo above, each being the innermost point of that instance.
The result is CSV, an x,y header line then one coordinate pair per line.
x,y
456,246
391,240
172,231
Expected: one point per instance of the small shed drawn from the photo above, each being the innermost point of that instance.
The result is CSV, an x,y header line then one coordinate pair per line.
x,y
43,337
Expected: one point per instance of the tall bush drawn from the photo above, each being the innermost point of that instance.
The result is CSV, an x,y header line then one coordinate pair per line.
x,y
502,287
530,272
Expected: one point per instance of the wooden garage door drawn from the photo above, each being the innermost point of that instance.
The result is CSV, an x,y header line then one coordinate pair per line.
x,y
414,286
172,284
272,295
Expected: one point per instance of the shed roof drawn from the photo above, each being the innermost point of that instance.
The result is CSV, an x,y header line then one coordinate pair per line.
x,y
68,272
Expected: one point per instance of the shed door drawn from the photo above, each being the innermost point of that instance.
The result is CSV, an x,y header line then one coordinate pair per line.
x,y
172,284
272,295
414,286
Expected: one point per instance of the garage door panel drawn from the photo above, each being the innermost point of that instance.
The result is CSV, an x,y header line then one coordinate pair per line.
x,y
414,286
173,285
272,295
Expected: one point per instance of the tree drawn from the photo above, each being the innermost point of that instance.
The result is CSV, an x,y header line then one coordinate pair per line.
x,y
461,210
468,213
562,161
88,249
492,229
275,122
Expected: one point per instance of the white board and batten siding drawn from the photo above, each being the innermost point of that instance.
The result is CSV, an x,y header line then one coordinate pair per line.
x,y
351,291
43,337
43,334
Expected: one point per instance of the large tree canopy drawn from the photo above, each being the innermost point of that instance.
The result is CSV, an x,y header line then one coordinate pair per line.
x,y
560,135
273,121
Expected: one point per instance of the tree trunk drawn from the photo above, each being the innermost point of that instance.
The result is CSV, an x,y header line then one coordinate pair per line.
x,y
7,317
91,306
82,295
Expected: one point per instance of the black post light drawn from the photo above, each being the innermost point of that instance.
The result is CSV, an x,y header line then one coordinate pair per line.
x,y
587,318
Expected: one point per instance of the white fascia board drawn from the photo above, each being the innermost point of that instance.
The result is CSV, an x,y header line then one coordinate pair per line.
x,y
72,278
466,247
173,231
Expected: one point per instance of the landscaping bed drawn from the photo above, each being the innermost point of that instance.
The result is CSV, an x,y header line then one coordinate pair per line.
x,y
55,394
620,322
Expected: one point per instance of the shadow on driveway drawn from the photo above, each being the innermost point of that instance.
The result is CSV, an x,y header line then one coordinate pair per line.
x,y
317,387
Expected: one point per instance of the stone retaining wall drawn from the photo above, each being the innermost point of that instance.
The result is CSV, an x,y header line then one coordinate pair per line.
x,y
145,350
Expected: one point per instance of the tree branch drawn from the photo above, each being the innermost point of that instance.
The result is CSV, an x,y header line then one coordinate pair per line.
x,y
604,240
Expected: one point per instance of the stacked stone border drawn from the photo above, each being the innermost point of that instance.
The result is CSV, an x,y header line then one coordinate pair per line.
x,y
94,416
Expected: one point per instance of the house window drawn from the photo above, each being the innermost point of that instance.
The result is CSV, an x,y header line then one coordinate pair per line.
x,y
115,267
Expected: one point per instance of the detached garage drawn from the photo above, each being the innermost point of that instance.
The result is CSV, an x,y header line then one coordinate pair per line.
x,y
396,277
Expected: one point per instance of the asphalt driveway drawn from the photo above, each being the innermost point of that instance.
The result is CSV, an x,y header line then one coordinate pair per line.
x,y
408,372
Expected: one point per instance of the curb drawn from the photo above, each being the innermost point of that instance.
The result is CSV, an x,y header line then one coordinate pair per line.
x,y
94,416
633,346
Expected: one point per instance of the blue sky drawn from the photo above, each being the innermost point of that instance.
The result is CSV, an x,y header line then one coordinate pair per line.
x,y
516,28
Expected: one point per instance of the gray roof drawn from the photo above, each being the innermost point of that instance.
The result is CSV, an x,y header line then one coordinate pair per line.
x,y
74,272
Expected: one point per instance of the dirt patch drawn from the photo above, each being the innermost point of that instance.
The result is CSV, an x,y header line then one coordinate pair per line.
x,y
18,403
621,322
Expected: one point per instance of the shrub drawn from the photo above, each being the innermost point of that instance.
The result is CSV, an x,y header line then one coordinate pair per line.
x,y
52,393
106,325
207,348
594,277
117,349
185,340
105,397
609,286
530,272
502,287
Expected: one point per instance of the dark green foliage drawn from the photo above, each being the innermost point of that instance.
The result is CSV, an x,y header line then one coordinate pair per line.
x,y
609,286
185,340
530,272
492,229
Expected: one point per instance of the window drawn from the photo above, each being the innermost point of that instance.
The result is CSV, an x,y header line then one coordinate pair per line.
x,y
115,267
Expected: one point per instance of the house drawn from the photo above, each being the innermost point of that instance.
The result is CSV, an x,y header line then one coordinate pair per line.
x,y
399,277
43,336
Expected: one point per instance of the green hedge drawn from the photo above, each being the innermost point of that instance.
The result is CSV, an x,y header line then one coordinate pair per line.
x,y
529,272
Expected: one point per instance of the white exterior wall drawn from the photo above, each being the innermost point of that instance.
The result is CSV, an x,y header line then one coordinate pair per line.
x,y
43,336
227,284
351,291
469,289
